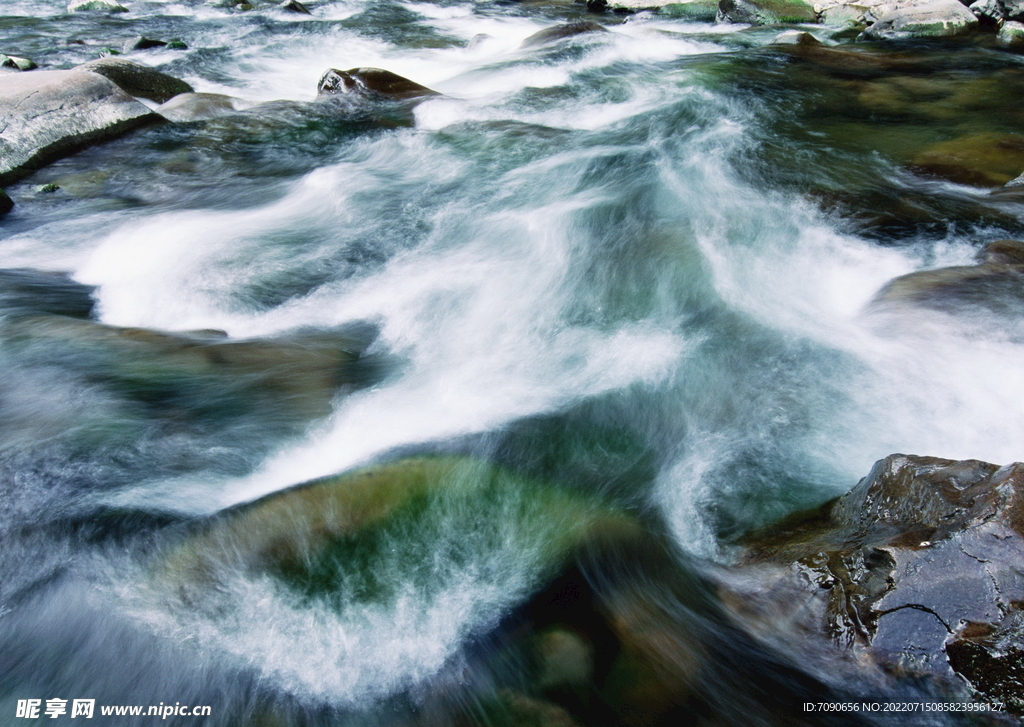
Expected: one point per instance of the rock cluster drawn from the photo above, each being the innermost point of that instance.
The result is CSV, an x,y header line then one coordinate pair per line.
x,y
918,568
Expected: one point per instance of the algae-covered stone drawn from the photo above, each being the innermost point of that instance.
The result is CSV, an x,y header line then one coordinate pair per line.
x,y
314,536
981,160
1011,34
700,10
138,79
933,19
17,63
765,12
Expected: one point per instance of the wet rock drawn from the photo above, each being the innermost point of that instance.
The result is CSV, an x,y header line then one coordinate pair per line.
x,y
564,658
295,6
18,64
994,287
24,290
48,114
795,37
765,12
917,567
6,203
141,42
933,19
177,45
979,160
291,378
304,535
699,10
370,82
1011,34
1003,252
138,80
198,106
109,6
558,32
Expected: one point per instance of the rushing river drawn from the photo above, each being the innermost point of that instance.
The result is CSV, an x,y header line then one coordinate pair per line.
x,y
599,264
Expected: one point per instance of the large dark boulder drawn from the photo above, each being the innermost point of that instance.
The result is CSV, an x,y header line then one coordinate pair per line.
x,y
138,80
920,568
48,114
373,82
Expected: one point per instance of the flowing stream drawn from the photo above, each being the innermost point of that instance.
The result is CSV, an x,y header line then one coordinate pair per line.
x,y
595,263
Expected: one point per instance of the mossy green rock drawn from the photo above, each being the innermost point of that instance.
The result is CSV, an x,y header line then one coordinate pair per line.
x,y
365,535
699,10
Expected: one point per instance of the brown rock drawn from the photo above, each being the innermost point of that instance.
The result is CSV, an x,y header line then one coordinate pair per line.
x,y
370,81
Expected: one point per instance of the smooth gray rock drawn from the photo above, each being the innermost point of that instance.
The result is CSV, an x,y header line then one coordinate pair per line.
x,y
48,114
198,107
137,79
935,19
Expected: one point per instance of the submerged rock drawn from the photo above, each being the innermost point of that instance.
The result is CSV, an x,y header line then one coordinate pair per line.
x,y
979,160
48,114
933,19
302,535
917,567
291,378
24,290
370,81
137,79
558,32
198,106
996,286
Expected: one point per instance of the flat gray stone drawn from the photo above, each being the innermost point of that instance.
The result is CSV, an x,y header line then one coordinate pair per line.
x,y
45,115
